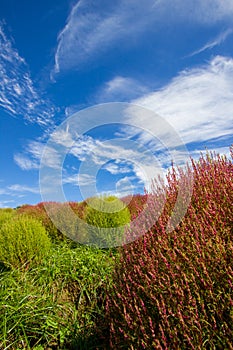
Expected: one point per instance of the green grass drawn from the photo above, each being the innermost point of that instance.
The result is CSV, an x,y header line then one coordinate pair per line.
x,y
57,304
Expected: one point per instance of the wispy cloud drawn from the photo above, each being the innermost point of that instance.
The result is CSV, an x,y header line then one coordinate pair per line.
x,y
92,28
215,42
118,166
18,95
30,158
79,179
120,89
17,188
118,157
3,191
24,162
205,12
125,186
12,195
6,203
198,103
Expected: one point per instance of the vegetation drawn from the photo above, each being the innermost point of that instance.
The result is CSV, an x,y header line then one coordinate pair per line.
x,y
57,304
5,215
23,241
39,212
167,289
107,218
173,289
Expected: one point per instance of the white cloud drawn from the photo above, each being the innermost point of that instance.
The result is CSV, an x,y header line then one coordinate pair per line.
x,y
6,203
118,167
18,95
215,42
198,103
3,191
11,194
117,156
31,157
25,163
120,89
206,12
210,11
92,28
126,186
79,179
23,188
70,110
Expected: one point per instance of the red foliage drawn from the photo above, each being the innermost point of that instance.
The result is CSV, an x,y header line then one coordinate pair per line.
x,y
173,289
135,204
42,211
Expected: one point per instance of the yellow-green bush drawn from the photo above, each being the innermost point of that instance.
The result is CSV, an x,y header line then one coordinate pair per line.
x,y
5,215
107,218
23,241
39,212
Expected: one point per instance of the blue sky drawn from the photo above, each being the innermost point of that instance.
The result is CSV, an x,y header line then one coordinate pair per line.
x,y
170,58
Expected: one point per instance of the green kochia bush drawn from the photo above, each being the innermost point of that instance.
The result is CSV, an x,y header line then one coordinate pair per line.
x,y
23,241
39,212
107,218
5,215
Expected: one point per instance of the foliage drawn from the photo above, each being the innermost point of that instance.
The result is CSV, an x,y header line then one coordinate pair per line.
x,y
136,204
38,212
23,241
5,215
57,218
57,304
107,218
169,289
173,289
66,218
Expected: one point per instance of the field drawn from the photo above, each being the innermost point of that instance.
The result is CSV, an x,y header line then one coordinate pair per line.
x,y
164,289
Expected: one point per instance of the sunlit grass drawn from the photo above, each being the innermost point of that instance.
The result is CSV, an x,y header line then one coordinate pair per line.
x,y
56,304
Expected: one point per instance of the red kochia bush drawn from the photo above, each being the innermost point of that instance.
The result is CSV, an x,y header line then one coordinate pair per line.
x,y
38,212
173,290
136,204
42,211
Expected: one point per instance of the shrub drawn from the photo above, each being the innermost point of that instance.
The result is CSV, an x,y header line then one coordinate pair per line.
x,y
39,213
65,217
5,215
136,204
107,218
173,290
59,219
23,241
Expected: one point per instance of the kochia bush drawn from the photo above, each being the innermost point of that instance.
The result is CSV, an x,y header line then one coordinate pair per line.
x,y
107,217
67,219
38,212
23,242
173,290
55,217
5,215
